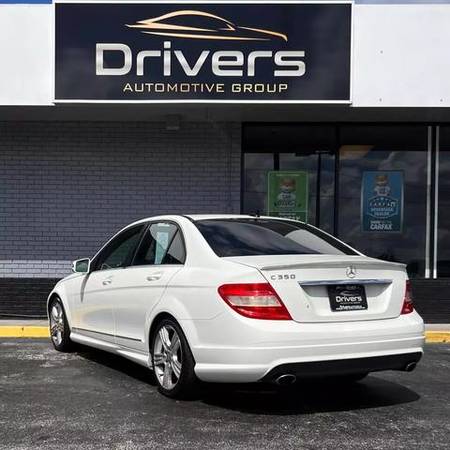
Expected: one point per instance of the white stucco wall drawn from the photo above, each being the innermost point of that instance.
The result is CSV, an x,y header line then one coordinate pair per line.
x,y
400,55
26,49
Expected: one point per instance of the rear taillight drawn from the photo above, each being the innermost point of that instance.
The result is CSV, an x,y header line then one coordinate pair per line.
x,y
408,300
255,300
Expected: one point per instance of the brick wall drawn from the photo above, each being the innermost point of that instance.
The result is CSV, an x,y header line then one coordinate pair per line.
x,y
65,187
24,297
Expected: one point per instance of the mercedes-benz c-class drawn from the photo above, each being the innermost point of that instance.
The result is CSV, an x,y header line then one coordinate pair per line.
x,y
234,298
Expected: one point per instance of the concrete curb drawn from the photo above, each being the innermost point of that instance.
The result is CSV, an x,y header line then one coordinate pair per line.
x,y
27,331
437,336
15,331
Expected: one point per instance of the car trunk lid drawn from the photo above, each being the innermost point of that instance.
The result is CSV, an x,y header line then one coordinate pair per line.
x,y
306,282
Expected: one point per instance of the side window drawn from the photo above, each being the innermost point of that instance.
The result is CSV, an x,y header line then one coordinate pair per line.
x,y
120,250
162,244
176,253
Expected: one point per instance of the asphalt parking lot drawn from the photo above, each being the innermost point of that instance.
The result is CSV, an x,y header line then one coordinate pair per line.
x,y
90,399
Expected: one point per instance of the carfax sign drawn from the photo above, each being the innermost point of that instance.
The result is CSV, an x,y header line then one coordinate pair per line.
x,y
288,194
382,201
176,51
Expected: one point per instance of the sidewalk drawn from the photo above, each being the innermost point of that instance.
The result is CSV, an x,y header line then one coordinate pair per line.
x,y
434,333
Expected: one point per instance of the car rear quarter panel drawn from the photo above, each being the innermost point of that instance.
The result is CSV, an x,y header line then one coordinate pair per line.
x,y
193,297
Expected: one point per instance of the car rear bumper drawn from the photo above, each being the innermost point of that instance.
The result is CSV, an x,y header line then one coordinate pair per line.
x,y
353,346
405,361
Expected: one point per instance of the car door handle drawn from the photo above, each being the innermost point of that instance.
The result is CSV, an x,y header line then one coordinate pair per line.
x,y
106,282
154,276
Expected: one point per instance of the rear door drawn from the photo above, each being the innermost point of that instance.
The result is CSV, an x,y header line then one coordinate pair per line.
x,y
159,257
93,308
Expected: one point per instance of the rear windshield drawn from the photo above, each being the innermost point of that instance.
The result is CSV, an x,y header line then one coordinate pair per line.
x,y
246,237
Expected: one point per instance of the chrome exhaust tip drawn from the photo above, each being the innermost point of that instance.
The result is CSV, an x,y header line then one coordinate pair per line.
x,y
410,366
286,379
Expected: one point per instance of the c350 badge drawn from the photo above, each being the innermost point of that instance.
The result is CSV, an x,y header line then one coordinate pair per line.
x,y
282,276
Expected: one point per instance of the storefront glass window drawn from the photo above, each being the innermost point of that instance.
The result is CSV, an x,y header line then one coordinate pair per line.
x,y
291,150
256,168
443,223
317,164
383,192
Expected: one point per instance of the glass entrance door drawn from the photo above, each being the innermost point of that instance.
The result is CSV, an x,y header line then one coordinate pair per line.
x,y
382,205
319,166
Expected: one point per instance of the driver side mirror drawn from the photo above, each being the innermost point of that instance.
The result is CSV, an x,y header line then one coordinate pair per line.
x,y
81,265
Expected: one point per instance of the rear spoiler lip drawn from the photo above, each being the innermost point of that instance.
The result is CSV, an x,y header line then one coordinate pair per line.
x,y
356,260
376,264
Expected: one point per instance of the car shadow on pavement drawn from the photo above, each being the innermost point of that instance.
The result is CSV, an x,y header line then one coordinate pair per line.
x,y
117,363
304,397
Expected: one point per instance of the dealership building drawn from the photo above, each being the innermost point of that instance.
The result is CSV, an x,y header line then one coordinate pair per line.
x,y
336,113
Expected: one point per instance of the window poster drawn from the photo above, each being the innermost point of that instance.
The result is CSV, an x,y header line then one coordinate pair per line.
x,y
288,194
382,201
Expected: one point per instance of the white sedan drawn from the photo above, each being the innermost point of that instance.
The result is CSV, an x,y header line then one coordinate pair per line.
x,y
234,298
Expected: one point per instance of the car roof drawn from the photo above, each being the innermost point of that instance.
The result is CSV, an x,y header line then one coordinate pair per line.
x,y
197,217
193,217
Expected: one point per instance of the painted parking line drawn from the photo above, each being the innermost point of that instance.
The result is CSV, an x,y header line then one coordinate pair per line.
x,y
29,331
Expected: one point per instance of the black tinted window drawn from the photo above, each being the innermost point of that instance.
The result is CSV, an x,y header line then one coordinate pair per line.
x,y
245,237
162,244
120,250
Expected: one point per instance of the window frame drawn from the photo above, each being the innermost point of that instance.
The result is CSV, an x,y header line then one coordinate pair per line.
x,y
141,240
95,261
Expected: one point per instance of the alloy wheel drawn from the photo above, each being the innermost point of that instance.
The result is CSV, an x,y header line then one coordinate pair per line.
x,y
57,323
167,357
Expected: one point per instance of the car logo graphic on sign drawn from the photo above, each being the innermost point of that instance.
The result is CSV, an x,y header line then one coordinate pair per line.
x,y
180,24
351,272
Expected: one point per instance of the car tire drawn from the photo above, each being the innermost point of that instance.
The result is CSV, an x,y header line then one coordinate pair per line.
x,y
59,327
172,361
